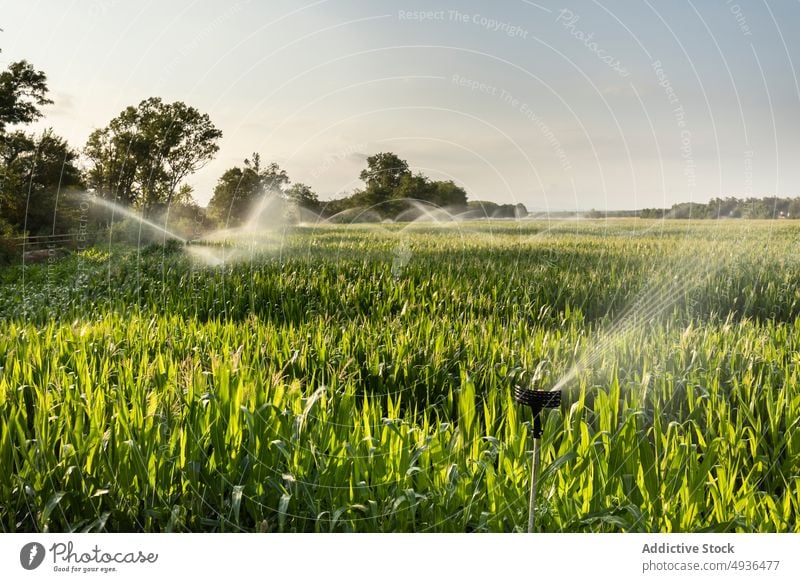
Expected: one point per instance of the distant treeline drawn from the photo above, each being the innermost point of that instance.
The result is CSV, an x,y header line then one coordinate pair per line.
x,y
730,207
769,207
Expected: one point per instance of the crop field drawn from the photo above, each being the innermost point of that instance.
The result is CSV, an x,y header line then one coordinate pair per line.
x,y
358,378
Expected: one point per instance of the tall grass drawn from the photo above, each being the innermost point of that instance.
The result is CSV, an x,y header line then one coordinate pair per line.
x,y
320,387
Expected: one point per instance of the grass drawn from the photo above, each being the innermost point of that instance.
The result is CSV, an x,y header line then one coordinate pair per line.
x,y
358,379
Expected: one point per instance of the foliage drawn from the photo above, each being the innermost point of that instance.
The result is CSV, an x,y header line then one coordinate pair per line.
x,y
38,175
23,90
239,189
442,194
303,196
730,207
8,249
320,388
390,184
485,209
143,155
383,176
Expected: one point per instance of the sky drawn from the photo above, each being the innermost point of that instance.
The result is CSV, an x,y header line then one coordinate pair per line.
x,y
561,105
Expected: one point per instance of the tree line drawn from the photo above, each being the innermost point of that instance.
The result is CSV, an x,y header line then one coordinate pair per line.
x,y
769,207
142,159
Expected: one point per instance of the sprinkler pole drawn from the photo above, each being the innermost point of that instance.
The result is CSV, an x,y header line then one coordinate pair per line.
x,y
537,400
534,480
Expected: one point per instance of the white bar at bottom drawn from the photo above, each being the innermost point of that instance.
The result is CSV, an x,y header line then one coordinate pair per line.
x,y
401,557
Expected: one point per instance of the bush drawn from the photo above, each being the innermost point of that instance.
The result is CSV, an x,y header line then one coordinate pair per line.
x,y
9,250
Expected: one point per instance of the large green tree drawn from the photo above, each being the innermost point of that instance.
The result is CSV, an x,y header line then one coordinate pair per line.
x,y
239,188
384,174
390,184
145,153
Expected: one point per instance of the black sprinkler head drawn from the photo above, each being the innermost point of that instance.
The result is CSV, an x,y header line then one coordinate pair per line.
x,y
537,400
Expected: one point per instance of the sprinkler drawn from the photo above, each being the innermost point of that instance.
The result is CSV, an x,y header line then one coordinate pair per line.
x,y
537,400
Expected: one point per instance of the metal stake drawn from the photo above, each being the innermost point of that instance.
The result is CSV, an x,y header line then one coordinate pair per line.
x,y
537,400
534,482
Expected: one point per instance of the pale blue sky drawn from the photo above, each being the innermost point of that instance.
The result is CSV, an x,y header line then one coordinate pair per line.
x,y
317,86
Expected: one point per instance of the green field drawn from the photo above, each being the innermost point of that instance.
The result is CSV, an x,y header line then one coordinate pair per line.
x,y
358,378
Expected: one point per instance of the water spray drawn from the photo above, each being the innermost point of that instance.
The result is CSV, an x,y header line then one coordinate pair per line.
x,y
127,212
537,400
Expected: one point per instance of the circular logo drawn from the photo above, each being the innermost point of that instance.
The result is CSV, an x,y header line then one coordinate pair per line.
x,y
31,555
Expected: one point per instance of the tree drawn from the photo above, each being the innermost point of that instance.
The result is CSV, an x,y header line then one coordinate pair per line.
x,y
442,194
147,151
793,211
384,174
303,196
38,173
34,170
688,210
486,209
239,188
115,156
37,177
388,178
390,183
416,186
23,91
448,194
233,193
